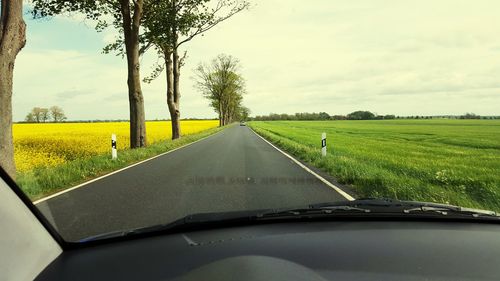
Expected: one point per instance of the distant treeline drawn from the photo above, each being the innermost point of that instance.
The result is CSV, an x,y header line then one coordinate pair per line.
x,y
359,115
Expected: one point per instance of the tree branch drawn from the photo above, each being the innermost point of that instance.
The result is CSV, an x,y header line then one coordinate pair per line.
x,y
181,60
125,10
145,48
136,18
210,25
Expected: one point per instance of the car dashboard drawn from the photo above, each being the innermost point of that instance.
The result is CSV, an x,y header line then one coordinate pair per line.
x,y
332,250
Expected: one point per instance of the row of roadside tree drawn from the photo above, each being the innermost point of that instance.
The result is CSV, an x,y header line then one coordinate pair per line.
x,y
222,84
159,26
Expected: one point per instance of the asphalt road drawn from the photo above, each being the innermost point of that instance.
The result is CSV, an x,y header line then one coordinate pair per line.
x,y
230,171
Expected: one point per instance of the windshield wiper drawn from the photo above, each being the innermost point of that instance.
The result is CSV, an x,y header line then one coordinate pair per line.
x,y
184,223
372,208
442,211
389,206
325,210
214,219
450,210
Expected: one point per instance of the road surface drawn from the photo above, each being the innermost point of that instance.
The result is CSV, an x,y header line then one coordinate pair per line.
x,y
230,171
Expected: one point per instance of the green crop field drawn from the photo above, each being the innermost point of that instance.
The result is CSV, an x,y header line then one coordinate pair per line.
x,y
446,161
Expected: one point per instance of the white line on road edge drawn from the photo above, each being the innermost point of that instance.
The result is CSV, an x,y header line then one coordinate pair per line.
x,y
120,170
336,188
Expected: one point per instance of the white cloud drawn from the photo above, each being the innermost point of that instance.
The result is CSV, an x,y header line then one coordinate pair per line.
x,y
76,81
401,57
90,86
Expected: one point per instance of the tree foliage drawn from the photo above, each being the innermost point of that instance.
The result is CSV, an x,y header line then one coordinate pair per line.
x,y
470,116
222,84
126,16
297,116
165,25
57,114
357,115
243,113
361,115
168,24
42,115
95,10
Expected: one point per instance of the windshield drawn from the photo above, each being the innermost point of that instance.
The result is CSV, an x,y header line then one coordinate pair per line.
x,y
120,117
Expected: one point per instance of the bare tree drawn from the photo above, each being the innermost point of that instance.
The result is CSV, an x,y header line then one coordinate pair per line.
x,y
44,115
12,40
127,16
36,112
57,114
30,118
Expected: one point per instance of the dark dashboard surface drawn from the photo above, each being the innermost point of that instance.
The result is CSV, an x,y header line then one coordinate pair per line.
x,y
388,250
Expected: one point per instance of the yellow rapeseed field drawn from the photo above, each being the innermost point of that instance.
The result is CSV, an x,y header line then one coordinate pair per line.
x,y
41,145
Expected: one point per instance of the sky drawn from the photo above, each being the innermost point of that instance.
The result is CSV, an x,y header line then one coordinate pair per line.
x,y
399,57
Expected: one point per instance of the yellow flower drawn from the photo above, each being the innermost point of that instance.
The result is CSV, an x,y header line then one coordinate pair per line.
x,y
45,145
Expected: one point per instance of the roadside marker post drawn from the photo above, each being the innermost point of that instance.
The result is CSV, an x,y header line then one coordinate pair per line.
x,y
323,144
114,153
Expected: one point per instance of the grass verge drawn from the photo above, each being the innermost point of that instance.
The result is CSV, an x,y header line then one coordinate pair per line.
x,y
42,182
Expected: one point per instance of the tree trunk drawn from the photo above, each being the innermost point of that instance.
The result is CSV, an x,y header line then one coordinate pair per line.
x,y
224,111
135,97
136,105
230,110
12,40
6,143
220,115
172,63
221,105
173,106
175,114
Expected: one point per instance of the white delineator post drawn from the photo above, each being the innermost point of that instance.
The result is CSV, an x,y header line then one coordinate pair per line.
x,y
114,153
323,144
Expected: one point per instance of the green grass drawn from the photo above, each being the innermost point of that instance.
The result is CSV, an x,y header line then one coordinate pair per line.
x,y
446,161
41,182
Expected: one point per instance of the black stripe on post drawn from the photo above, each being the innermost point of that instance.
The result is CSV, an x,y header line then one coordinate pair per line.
x,y
113,144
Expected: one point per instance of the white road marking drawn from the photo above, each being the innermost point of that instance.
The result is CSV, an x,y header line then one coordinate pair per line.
x,y
118,171
336,188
